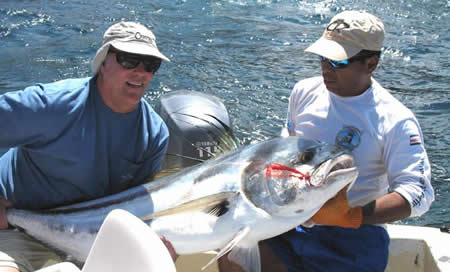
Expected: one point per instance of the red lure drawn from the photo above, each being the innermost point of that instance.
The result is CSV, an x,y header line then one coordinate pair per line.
x,y
279,171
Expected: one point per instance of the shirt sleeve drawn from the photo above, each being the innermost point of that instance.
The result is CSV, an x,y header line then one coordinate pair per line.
x,y
290,119
154,157
21,117
409,171
159,148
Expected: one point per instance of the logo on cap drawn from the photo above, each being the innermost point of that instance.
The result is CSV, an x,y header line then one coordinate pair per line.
x,y
144,38
337,25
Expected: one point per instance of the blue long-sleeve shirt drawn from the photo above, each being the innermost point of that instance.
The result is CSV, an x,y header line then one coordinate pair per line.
x,y
66,145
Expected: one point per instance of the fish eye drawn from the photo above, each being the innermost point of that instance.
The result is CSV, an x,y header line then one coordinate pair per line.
x,y
306,156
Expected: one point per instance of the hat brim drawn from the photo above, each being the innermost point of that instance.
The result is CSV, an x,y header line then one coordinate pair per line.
x,y
333,50
138,48
99,58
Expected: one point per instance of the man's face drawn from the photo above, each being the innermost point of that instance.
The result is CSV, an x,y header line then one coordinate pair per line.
x,y
351,80
122,88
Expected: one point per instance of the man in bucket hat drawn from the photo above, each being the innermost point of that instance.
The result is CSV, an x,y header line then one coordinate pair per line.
x,y
348,107
80,139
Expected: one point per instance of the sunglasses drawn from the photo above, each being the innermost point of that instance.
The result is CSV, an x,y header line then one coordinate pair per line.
x,y
131,61
340,64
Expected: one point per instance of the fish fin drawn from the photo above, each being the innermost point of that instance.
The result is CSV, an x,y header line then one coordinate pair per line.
x,y
247,257
236,239
219,209
227,143
210,202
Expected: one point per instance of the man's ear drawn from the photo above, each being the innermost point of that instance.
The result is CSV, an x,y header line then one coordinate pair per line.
x,y
102,66
372,63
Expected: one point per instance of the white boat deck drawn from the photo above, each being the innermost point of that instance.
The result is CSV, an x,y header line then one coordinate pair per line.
x,y
417,249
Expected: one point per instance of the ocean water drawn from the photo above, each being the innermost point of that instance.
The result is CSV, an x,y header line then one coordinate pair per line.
x,y
248,53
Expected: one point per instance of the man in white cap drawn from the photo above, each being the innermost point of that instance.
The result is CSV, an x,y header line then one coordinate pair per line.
x,y
348,107
80,139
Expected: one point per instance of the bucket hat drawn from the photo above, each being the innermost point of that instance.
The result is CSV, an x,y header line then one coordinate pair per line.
x,y
129,37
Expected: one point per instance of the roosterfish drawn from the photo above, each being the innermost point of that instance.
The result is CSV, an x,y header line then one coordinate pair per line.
x,y
226,204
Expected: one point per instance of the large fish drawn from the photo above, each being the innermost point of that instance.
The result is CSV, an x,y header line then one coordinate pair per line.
x,y
227,204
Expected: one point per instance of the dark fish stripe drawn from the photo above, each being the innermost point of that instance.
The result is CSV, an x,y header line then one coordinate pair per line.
x,y
96,204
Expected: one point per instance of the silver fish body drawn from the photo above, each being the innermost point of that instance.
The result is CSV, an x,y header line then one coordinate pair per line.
x,y
228,203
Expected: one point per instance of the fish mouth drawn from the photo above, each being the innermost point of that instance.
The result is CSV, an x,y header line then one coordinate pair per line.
x,y
330,169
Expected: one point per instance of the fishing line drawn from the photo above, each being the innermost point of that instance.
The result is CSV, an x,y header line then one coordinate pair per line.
x,y
278,170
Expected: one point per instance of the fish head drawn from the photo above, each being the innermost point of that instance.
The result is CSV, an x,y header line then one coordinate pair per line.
x,y
296,175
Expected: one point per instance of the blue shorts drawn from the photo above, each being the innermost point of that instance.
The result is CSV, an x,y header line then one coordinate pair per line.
x,y
326,248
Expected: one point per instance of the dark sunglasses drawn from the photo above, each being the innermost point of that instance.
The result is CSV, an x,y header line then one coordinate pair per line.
x,y
340,64
131,61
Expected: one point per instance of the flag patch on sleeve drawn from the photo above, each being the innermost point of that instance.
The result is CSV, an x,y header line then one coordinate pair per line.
x,y
414,140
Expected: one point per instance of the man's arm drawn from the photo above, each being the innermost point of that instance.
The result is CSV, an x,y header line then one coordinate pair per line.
x,y
3,220
388,208
170,248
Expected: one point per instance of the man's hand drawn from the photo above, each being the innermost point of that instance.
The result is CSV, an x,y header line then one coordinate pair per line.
x,y
170,248
336,212
3,220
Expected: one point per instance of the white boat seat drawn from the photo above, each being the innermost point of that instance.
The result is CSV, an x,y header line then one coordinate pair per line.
x,y
123,243
60,267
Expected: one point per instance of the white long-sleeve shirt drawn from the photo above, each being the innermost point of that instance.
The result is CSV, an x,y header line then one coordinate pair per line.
x,y
391,154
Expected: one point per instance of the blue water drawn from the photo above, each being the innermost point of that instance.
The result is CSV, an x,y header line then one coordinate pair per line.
x,y
248,53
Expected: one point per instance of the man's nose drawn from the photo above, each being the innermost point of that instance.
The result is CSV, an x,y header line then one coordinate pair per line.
x,y
140,68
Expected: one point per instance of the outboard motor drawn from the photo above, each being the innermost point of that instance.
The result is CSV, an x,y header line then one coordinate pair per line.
x,y
199,127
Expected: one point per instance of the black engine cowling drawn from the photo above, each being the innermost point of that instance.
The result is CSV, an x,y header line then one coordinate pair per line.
x,y
199,127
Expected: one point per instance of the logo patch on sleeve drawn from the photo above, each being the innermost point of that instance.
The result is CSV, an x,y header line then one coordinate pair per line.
x,y
414,140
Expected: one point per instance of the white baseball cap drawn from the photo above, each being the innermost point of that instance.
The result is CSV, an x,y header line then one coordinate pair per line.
x,y
128,37
347,34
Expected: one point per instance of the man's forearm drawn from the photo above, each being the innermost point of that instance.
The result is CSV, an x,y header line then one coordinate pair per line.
x,y
386,209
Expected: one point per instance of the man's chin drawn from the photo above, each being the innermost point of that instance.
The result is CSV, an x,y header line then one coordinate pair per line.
x,y
331,85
